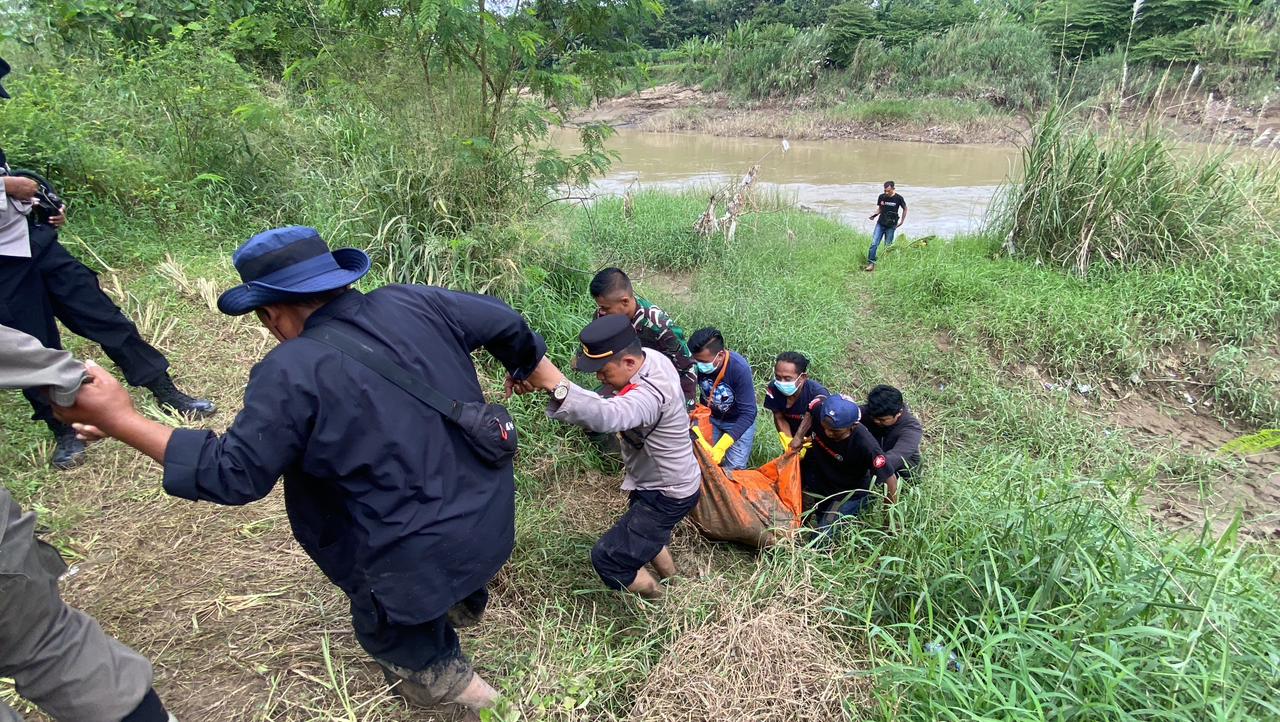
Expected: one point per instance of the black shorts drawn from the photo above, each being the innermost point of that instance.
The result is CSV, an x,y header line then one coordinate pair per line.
x,y
430,653
639,535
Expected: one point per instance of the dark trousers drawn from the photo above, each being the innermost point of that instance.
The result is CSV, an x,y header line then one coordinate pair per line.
x,y
53,284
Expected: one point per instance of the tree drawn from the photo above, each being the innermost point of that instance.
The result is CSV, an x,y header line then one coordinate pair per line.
x,y
848,24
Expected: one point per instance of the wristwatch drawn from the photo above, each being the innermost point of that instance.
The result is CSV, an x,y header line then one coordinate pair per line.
x,y
561,391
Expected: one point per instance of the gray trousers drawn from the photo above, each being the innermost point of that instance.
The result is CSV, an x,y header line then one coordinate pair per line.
x,y
59,657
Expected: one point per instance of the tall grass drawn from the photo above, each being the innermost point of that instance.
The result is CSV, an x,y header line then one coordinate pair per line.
x,y
1090,199
1024,550
1056,601
1111,324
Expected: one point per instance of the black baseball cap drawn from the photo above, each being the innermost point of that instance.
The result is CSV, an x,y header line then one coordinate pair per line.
x,y
602,340
4,70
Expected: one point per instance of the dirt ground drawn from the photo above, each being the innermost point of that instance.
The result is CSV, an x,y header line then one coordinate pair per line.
x,y
1169,415
673,107
678,108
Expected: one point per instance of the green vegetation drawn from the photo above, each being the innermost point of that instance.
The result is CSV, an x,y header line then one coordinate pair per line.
x,y
1026,549
1125,201
1012,56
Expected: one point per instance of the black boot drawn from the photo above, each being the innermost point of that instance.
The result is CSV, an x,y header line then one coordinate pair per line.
x,y
168,396
68,451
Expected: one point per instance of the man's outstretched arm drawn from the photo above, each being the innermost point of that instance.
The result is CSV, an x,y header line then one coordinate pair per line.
x,y
26,363
104,408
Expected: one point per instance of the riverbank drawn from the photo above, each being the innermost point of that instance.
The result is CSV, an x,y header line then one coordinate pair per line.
x,y
674,107
1034,486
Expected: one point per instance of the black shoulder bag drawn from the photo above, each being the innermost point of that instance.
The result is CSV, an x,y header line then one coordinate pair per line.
x,y
487,427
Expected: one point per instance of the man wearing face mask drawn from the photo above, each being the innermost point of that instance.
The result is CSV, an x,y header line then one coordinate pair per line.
x,y
789,394
726,387
836,474
386,494
648,413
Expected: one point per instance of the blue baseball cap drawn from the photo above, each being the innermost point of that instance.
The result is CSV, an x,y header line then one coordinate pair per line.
x,y
840,411
287,264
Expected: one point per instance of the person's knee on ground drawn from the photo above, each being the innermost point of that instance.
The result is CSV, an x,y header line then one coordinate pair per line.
x,y
664,565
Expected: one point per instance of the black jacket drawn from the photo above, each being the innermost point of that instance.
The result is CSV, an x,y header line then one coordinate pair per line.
x,y
382,491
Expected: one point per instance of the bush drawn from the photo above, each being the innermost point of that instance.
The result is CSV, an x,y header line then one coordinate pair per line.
x,y
848,25
1088,199
770,61
1007,65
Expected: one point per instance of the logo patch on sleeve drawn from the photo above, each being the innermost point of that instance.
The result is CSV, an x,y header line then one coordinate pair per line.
x,y
879,462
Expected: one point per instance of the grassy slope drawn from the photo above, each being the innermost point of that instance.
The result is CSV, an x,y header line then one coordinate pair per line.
x,y
1025,549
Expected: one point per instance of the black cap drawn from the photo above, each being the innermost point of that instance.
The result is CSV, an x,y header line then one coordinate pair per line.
x,y
4,70
602,340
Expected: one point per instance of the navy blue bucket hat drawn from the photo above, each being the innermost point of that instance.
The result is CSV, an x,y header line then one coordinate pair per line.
x,y
287,264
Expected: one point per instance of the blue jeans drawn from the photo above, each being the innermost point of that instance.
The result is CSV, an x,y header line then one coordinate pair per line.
x,y
738,455
876,236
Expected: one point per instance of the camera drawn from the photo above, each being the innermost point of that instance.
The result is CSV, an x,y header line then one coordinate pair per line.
x,y
48,202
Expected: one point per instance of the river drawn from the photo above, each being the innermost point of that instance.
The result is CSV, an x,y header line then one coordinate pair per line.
x,y
948,188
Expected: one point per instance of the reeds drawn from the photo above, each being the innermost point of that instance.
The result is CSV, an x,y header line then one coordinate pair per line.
x,y
1113,199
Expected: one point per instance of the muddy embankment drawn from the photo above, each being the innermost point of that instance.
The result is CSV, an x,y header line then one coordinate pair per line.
x,y
674,107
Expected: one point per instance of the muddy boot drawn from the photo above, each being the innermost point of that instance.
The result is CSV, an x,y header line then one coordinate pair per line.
x,y
168,396
467,613
68,451
431,688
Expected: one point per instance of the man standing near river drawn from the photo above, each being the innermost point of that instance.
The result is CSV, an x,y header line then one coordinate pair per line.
x,y
891,209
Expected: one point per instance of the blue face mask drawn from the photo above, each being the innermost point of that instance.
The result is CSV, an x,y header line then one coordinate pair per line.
x,y
788,388
707,368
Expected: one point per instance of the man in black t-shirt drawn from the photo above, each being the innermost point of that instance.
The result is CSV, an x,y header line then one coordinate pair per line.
x,y
836,472
789,394
891,209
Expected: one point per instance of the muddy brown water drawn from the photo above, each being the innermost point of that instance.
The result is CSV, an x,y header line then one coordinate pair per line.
x,y
948,188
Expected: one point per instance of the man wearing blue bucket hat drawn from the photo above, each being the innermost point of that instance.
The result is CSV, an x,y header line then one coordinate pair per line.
x,y
836,474
395,501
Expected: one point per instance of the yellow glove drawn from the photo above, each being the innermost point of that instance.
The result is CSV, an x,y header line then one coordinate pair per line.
x,y
702,441
785,438
697,431
721,448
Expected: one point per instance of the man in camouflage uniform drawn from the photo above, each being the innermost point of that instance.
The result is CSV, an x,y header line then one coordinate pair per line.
x,y
613,293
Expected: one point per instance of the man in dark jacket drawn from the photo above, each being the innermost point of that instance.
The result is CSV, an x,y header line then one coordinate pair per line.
x,y
896,428
384,493
40,282
845,459
724,380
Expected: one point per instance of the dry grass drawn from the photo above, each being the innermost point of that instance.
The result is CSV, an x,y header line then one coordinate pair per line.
x,y
774,658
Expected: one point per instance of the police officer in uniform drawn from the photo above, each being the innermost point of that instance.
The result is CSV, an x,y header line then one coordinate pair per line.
x,y
40,282
58,657
648,413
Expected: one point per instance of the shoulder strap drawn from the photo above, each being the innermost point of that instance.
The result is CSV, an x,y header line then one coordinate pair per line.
x,y
360,351
720,376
